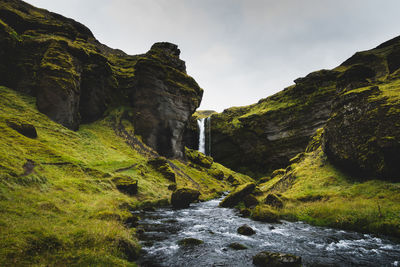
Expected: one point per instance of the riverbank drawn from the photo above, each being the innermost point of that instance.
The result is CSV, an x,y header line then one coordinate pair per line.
x,y
161,231
314,191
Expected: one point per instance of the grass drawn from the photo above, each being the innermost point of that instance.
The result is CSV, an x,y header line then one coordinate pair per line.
x,y
66,210
320,194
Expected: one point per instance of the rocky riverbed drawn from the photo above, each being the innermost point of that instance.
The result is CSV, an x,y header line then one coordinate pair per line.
x,y
163,229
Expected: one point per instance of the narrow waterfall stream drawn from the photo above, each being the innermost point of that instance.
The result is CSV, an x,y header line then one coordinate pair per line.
x,y
202,136
217,227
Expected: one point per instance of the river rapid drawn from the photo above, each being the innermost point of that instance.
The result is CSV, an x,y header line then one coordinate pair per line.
x,y
217,227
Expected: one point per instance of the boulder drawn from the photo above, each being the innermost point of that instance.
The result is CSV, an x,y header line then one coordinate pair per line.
x,y
273,201
190,242
250,201
23,128
182,197
126,184
274,259
237,246
237,195
245,230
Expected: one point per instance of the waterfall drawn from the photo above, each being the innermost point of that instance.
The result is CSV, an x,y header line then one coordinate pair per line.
x,y
205,135
209,136
202,135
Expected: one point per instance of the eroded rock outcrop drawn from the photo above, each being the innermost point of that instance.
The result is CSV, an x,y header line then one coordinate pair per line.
x,y
260,138
76,79
356,103
164,98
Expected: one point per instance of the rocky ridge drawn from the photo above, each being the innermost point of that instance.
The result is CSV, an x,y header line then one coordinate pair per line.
x,y
357,103
76,79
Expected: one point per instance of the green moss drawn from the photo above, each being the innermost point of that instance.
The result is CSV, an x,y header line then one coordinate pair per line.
x,y
199,158
322,195
70,201
264,213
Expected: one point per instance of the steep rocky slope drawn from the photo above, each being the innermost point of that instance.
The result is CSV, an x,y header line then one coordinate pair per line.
x,y
84,129
76,79
357,102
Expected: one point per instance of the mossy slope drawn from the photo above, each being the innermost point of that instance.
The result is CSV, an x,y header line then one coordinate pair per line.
x,y
315,191
58,202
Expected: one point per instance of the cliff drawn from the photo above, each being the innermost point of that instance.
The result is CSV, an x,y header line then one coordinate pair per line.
x,y
357,103
84,129
75,79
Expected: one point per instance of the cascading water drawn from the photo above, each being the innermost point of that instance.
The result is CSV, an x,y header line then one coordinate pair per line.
x,y
209,136
217,227
205,135
202,135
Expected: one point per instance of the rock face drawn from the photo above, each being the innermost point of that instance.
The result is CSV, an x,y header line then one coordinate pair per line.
x,y
76,79
260,138
356,103
164,99
363,134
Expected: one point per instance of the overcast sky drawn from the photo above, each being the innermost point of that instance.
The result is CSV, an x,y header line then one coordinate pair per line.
x,y
240,50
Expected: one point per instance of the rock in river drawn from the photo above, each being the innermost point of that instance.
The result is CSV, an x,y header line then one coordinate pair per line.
x,y
182,197
273,259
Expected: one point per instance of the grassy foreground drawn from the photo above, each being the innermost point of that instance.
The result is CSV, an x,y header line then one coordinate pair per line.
x,y
58,203
315,191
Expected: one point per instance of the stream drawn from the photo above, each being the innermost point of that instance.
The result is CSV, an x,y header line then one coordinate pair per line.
x,y
217,227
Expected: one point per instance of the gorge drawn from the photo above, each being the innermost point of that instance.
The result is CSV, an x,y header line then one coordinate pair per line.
x,y
97,145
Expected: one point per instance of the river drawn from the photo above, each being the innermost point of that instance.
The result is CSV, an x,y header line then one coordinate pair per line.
x,y
217,227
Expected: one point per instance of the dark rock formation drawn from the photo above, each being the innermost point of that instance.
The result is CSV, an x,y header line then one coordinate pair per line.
x,y
273,201
76,79
246,230
126,184
263,137
161,165
164,99
274,259
237,246
23,128
357,103
363,134
250,201
182,197
237,195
